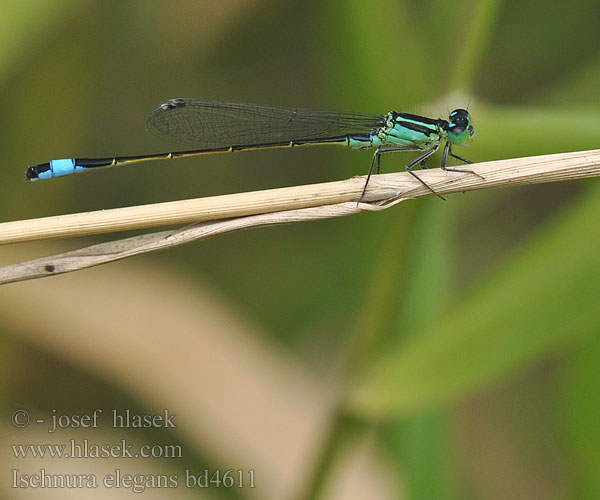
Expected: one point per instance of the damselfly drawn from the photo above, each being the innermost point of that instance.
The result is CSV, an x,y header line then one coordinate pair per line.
x,y
221,127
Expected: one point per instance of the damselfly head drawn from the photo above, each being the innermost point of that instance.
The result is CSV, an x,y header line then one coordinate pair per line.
x,y
459,126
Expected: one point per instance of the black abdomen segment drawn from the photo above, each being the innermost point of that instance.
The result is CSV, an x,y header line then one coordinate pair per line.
x,y
59,168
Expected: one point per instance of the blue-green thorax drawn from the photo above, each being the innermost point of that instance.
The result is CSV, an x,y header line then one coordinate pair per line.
x,y
403,129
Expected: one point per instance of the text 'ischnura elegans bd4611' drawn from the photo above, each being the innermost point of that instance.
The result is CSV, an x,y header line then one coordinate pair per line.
x,y
221,127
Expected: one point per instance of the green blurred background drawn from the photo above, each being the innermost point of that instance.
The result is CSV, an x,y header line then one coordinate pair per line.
x,y
434,351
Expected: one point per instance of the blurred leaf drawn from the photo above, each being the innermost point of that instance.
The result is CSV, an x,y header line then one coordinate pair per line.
x,y
580,89
513,132
475,43
418,443
375,63
580,407
24,25
544,299
516,68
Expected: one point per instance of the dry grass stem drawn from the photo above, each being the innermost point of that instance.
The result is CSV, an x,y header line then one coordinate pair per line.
x,y
220,214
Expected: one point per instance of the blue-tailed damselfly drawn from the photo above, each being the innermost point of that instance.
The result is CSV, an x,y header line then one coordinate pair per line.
x,y
220,127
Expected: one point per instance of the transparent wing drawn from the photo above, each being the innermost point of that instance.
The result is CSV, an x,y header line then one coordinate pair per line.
x,y
210,124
